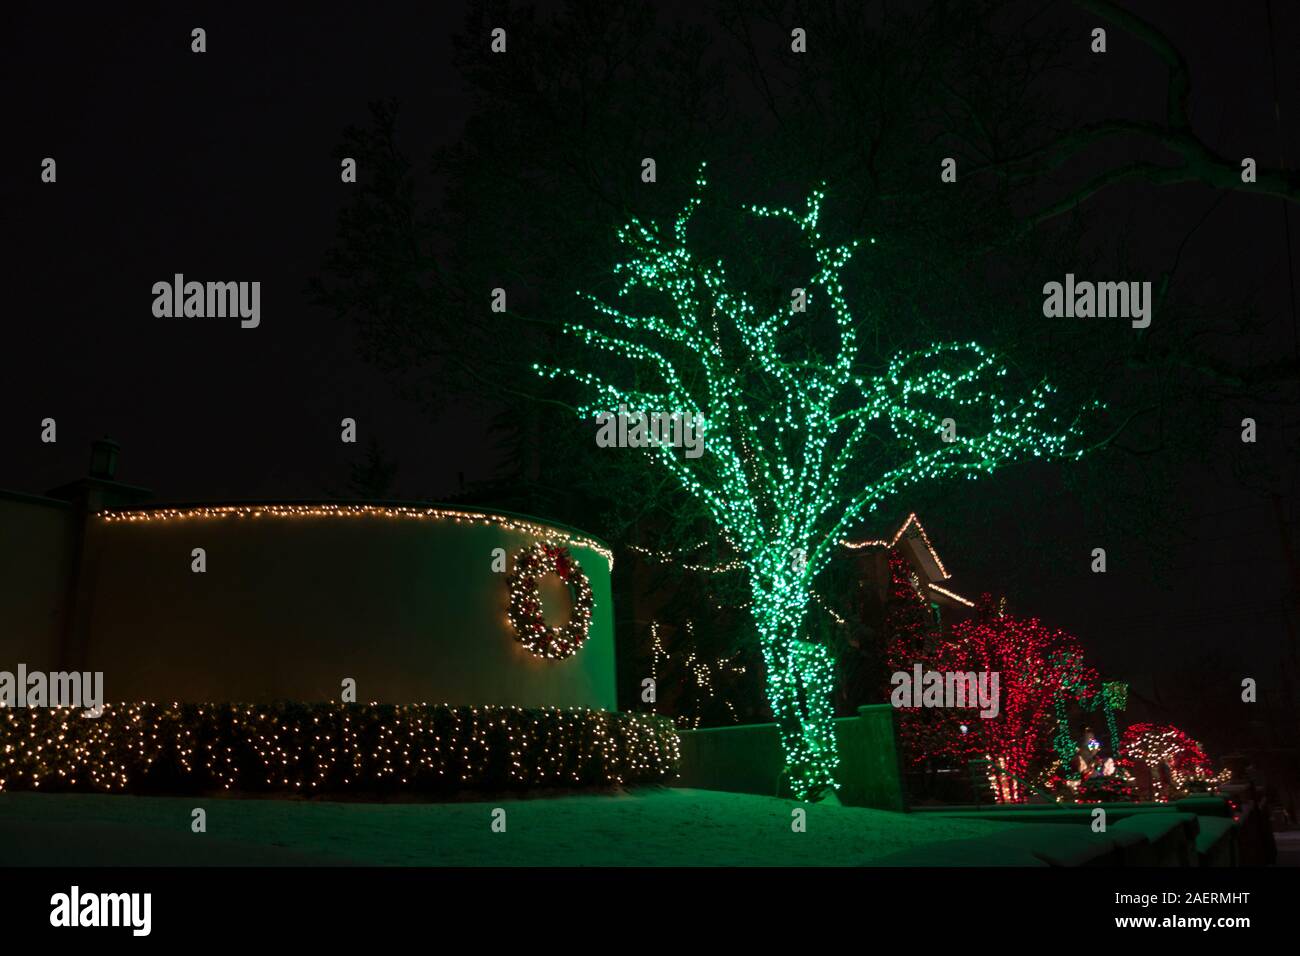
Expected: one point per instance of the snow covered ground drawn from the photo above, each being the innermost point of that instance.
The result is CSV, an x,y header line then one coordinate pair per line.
x,y
642,827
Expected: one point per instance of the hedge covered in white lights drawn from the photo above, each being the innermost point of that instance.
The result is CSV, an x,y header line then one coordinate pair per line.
x,y
328,747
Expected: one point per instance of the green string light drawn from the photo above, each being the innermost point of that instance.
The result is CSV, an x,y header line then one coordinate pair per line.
x,y
788,439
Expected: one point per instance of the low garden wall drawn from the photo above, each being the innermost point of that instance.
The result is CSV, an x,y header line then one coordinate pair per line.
x,y
748,759
1194,831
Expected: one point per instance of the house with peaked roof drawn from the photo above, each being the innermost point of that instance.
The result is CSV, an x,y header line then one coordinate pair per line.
x,y
910,539
861,583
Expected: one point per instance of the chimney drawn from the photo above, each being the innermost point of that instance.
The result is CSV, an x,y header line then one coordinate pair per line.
x,y
100,488
104,453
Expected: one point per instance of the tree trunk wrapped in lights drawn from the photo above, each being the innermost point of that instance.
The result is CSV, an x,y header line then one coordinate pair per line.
x,y
799,444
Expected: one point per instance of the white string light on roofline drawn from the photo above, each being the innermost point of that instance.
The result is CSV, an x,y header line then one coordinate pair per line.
x,y
549,534
882,543
953,595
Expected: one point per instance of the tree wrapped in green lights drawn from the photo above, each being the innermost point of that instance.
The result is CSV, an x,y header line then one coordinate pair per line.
x,y
804,435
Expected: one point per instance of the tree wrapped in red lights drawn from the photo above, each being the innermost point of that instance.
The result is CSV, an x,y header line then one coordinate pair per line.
x,y
1169,762
912,636
1033,663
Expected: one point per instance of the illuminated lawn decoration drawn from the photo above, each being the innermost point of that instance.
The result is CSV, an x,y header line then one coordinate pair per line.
x,y
1176,763
1081,687
799,446
701,674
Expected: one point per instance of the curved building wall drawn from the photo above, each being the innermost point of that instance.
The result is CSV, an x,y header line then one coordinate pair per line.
x,y
296,598
37,556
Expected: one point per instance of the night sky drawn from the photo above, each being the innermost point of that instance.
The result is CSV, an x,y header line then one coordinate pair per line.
x,y
221,166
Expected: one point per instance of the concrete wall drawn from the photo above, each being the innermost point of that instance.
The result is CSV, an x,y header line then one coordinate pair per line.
x,y
748,759
37,537
290,606
740,759
870,773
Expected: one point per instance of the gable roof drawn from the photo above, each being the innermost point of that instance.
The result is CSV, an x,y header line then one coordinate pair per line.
x,y
912,537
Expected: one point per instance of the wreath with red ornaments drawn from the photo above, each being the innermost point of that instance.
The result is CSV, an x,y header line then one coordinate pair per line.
x,y
525,610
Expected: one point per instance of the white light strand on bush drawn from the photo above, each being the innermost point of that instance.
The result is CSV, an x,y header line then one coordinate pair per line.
x,y
326,747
